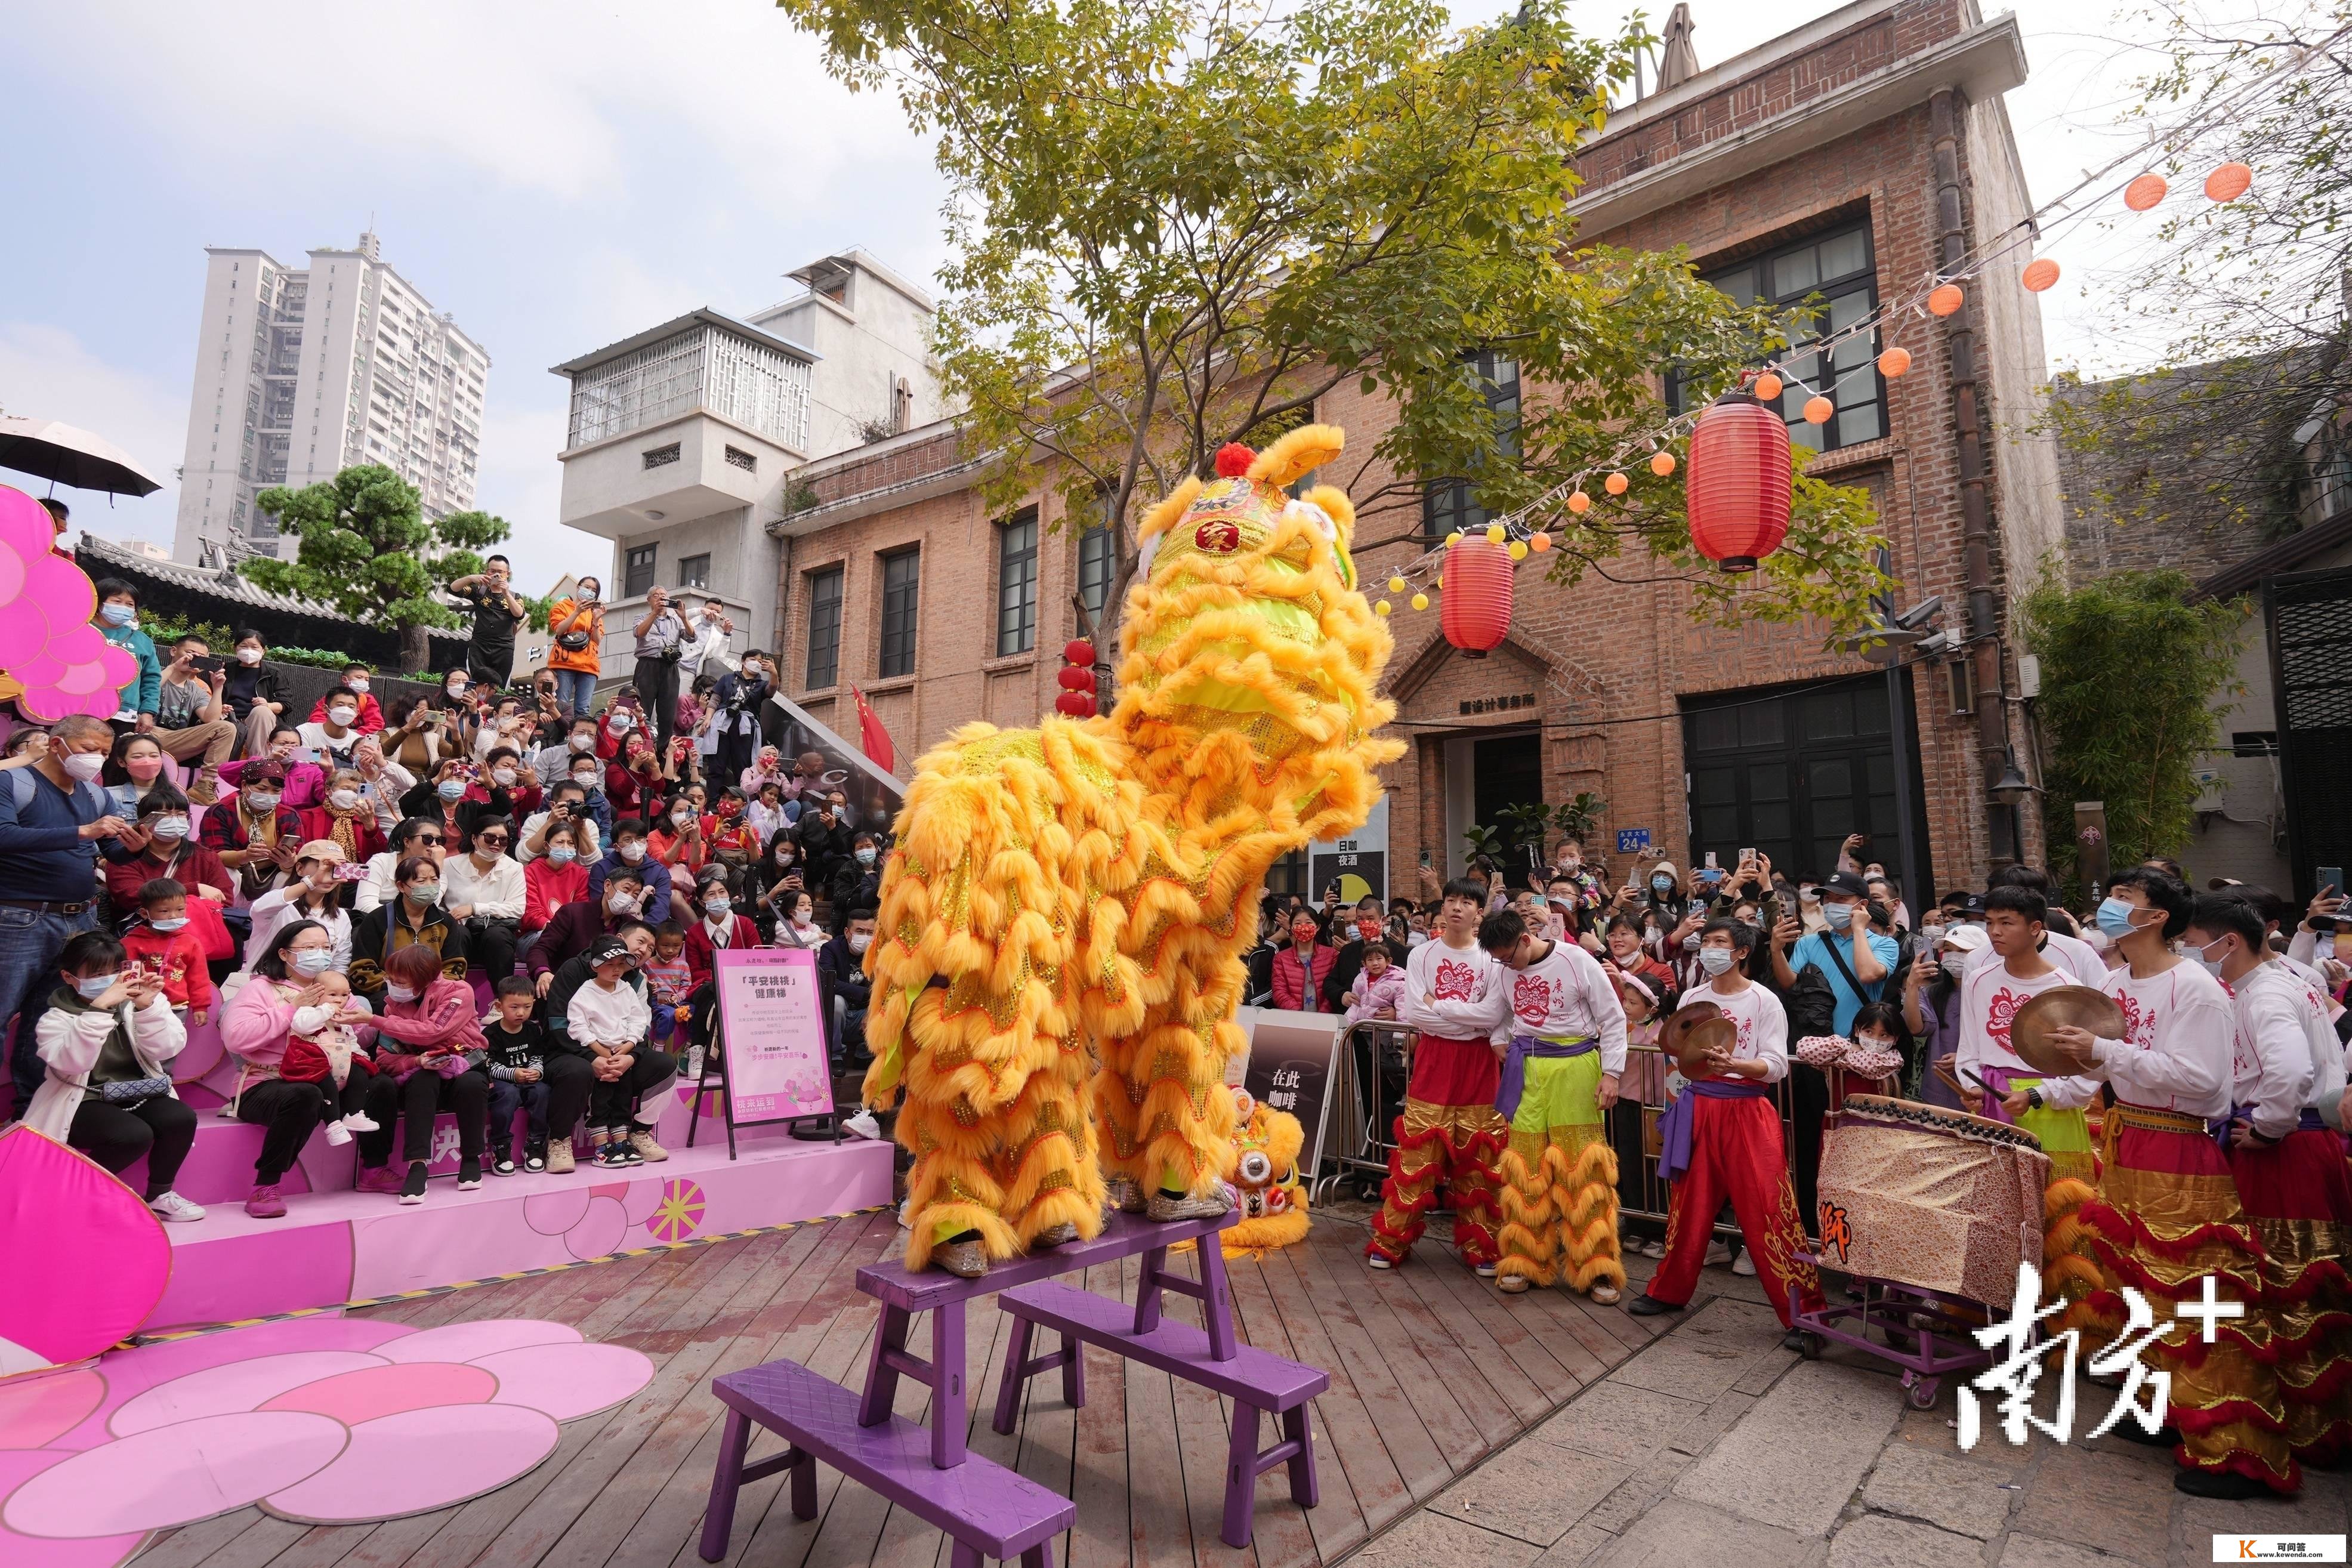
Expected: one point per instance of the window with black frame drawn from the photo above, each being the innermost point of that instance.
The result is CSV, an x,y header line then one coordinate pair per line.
x,y
1016,583
824,628
901,585
1835,275
1447,504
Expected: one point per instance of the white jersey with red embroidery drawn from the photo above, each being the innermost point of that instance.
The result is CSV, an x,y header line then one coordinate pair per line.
x,y
1564,995
2285,1054
2177,1044
2069,955
1990,999
1762,1022
1449,991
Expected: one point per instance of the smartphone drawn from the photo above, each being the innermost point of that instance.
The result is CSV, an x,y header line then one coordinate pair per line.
x,y
351,871
2332,876
1710,861
1748,853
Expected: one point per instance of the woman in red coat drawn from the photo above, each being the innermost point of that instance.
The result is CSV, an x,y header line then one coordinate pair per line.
x,y
721,928
345,816
1299,969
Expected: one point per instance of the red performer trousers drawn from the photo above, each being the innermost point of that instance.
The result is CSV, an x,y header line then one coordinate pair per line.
x,y
1448,1137
1736,1152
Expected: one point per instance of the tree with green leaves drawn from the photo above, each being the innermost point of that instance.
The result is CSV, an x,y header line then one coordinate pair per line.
x,y
1178,224
365,547
2130,667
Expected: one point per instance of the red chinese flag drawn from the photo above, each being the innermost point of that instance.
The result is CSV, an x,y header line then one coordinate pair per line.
x,y
873,736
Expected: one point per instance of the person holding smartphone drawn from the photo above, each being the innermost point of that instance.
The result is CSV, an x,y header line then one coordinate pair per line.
x,y
576,623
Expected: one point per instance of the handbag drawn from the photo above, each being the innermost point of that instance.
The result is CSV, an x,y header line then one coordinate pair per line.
x,y
134,1091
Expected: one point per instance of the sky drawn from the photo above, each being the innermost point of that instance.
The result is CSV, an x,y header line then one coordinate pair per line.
x,y
557,177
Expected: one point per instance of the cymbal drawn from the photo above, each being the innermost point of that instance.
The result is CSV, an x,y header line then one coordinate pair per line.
x,y
1693,1033
2080,1006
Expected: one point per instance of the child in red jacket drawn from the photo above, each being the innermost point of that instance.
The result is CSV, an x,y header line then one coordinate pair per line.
x,y
161,940
323,1048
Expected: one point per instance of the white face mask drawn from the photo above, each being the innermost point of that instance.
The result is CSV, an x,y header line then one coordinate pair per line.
x,y
358,684
1716,959
622,725
584,779
1874,1042
84,766
248,656
1956,964
503,775
632,853
343,799
582,743
681,817
622,903
860,943
341,714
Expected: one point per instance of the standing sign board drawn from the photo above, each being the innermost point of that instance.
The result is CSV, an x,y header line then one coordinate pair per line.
x,y
1359,863
1290,1061
772,1021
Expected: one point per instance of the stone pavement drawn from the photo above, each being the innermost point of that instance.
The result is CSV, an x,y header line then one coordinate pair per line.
x,y
1715,1447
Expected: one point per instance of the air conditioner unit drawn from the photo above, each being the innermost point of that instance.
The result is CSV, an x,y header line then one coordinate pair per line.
x,y
2211,789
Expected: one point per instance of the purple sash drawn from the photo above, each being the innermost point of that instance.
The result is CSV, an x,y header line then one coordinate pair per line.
x,y
1514,1085
1675,1131
2308,1122
1997,1082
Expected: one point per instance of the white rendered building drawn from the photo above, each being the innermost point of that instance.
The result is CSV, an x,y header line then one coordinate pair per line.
x,y
303,372
682,439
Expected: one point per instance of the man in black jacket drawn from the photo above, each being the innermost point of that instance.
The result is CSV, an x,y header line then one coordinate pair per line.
x,y
570,1072
840,967
824,839
1349,961
574,928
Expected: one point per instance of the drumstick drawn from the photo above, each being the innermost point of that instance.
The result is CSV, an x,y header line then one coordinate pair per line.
x,y
1970,1073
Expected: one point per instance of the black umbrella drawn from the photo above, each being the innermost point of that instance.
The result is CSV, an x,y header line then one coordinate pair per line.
x,y
70,456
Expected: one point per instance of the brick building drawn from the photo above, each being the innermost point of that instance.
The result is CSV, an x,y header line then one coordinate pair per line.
x,y
1849,157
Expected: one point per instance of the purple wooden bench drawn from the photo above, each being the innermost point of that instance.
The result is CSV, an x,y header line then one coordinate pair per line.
x,y
1259,1383
986,1510
904,1293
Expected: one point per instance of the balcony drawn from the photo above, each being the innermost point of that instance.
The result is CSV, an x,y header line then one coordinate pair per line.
x,y
701,361
671,472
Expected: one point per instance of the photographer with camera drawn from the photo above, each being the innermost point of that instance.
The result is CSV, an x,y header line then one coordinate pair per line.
x,y
498,611
576,623
662,635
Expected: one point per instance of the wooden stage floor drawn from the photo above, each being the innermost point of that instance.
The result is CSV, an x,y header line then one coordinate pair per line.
x,y
1431,1371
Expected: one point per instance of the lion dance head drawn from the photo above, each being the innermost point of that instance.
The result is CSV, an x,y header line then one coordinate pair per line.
x,y
1245,620
1265,1177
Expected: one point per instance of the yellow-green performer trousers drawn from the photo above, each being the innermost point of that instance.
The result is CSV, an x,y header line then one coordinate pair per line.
x,y
1559,1175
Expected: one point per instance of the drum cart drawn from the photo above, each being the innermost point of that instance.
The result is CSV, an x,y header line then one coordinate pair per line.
x,y
1928,1334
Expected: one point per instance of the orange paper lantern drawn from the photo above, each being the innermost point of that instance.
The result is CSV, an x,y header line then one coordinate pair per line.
x,y
1476,614
1540,542
1767,386
1616,484
1819,409
1579,502
1945,300
1740,482
1661,464
1894,362
2039,275
2145,191
2228,182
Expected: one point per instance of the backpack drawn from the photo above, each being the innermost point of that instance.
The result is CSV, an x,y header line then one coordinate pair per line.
x,y
1810,1004
20,788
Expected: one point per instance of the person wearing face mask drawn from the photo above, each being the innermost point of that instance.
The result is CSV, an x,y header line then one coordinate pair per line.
x,y
2167,1193
1722,1139
256,1027
778,879
346,817
55,823
2283,1137
575,927
632,851
134,768
553,878
736,702
679,837
1300,970
163,939
576,622
415,918
483,888
798,926
255,835
419,736
1931,1010
577,742
1568,864
357,679
118,621
106,1044
1364,930
513,785
455,797
661,635
1621,951
824,840
1990,995
841,971
857,880
719,929
168,850
574,804
301,783
314,894
254,696
415,835
337,730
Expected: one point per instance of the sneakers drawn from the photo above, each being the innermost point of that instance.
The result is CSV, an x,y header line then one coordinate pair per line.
x,y
534,1156
1653,1247
337,1134
175,1209
559,1158
861,1125
612,1157
1602,1295
378,1179
1717,1252
501,1163
1744,1265
1483,1270
641,1140
412,1190
1648,1306
359,1121
264,1203
1165,1206
692,1066
1514,1285
469,1174
1375,1260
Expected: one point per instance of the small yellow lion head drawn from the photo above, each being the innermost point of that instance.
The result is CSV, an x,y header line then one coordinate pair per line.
x,y
1245,615
1264,1177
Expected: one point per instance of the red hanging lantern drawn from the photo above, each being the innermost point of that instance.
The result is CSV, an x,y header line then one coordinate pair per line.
x,y
1077,650
1076,704
1740,482
1072,679
1477,607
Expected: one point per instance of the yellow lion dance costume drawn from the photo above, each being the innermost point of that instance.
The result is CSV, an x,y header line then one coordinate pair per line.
x,y
1063,917
1268,1186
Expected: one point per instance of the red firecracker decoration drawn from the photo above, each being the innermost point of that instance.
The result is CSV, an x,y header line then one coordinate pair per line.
x,y
1740,482
1076,680
1477,605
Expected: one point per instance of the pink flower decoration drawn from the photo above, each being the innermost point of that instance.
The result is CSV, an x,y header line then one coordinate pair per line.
x,y
100,1257
47,643
327,1421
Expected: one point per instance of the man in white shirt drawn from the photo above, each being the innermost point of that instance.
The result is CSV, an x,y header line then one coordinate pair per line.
x,y
2078,960
334,737
1722,1139
1449,1135
1567,1029
2286,1100
484,889
711,628
2168,1216
2021,969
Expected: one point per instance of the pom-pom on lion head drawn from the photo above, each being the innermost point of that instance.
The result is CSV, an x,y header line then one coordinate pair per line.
x,y
1246,616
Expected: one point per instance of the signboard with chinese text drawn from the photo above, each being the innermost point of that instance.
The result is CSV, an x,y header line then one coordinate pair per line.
x,y
771,1019
1290,1061
1359,863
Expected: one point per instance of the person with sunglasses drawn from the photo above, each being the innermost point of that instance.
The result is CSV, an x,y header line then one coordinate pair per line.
x,y
484,888
416,835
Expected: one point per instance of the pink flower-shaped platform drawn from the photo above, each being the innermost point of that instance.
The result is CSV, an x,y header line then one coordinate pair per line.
x,y
320,1420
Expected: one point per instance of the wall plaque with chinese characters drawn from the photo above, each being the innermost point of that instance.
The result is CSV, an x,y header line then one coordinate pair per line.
x,y
1511,702
771,1016
1290,1056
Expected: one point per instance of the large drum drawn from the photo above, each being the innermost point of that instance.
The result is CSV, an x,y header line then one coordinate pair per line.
x,y
1931,1198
